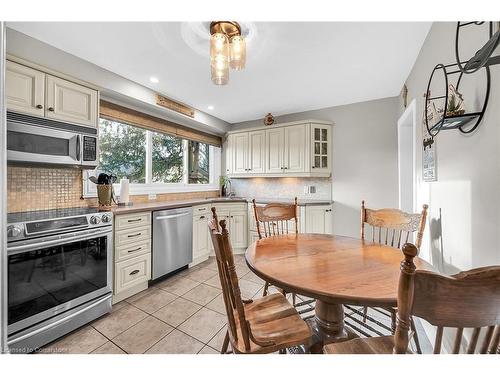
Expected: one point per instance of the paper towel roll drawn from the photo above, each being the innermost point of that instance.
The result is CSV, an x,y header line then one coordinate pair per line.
x,y
124,190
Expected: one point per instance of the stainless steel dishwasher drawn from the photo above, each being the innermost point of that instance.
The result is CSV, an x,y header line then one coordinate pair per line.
x,y
172,240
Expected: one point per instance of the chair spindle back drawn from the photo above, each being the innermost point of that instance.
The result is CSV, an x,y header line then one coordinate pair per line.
x,y
467,300
273,219
397,225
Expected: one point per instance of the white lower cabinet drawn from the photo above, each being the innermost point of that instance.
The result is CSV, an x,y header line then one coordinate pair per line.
x,y
236,217
201,235
132,251
132,273
319,219
239,227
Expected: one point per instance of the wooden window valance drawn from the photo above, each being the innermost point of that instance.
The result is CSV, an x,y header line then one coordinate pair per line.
x,y
115,112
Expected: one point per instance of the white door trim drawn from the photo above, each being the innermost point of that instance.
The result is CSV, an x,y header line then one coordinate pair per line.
x,y
409,118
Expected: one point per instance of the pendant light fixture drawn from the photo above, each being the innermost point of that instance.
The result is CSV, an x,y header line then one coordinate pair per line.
x,y
227,49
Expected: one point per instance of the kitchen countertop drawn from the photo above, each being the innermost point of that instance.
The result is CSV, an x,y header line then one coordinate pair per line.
x,y
154,206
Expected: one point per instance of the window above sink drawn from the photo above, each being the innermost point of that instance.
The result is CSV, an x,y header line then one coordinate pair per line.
x,y
153,162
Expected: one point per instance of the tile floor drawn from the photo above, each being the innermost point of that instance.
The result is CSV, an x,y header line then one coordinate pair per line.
x,y
183,314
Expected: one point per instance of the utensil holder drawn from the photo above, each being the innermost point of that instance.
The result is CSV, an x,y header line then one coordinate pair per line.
x,y
105,195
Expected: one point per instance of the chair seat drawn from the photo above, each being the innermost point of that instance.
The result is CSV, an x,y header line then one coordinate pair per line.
x,y
371,345
274,324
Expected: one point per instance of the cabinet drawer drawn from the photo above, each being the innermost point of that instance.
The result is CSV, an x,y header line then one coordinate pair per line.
x,y
132,220
230,206
132,272
132,250
201,210
132,236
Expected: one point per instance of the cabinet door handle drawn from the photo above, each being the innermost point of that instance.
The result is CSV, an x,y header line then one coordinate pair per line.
x,y
133,220
134,272
134,235
51,109
133,251
202,217
39,106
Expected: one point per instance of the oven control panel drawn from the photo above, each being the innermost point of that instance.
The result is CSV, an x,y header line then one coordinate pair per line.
x,y
30,229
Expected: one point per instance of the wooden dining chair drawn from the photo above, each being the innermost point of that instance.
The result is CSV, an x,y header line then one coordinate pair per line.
x,y
468,300
275,219
391,227
265,325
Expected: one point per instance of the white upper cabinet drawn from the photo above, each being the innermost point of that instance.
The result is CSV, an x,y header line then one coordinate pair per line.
x,y
229,154
34,92
24,89
240,153
68,101
295,149
321,155
275,143
301,149
257,152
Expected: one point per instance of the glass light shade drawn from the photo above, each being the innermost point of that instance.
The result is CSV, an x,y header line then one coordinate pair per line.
x,y
219,51
238,52
219,58
220,76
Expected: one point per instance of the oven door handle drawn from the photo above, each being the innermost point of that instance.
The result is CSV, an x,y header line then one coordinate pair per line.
x,y
58,322
59,241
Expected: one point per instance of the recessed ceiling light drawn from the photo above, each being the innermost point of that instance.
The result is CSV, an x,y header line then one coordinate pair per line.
x,y
210,107
154,80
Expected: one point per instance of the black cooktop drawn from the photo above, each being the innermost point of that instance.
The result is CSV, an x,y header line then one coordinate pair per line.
x,y
18,217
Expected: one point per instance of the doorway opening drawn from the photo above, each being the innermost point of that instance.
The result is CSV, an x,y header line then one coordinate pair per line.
x,y
407,134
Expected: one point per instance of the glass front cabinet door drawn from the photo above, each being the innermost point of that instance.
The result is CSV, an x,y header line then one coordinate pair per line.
x,y
321,158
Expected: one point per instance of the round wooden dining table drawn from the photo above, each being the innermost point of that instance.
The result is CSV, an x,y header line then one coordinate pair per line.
x,y
334,270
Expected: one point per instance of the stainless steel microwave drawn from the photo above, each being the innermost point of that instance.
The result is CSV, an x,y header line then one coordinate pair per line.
x,y
35,140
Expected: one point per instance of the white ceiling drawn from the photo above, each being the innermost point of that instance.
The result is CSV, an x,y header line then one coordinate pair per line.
x,y
291,66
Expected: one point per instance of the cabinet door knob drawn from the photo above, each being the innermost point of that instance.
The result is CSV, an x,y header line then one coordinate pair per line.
x,y
51,109
39,106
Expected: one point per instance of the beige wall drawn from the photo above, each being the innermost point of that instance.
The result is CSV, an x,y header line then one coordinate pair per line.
x,y
364,157
468,166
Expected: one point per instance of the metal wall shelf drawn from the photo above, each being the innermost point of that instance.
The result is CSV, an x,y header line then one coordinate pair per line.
x,y
467,122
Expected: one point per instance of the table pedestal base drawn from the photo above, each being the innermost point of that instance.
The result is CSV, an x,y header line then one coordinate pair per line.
x,y
328,326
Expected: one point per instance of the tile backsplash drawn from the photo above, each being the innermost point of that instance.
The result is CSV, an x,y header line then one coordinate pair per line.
x,y
282,187
31,189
